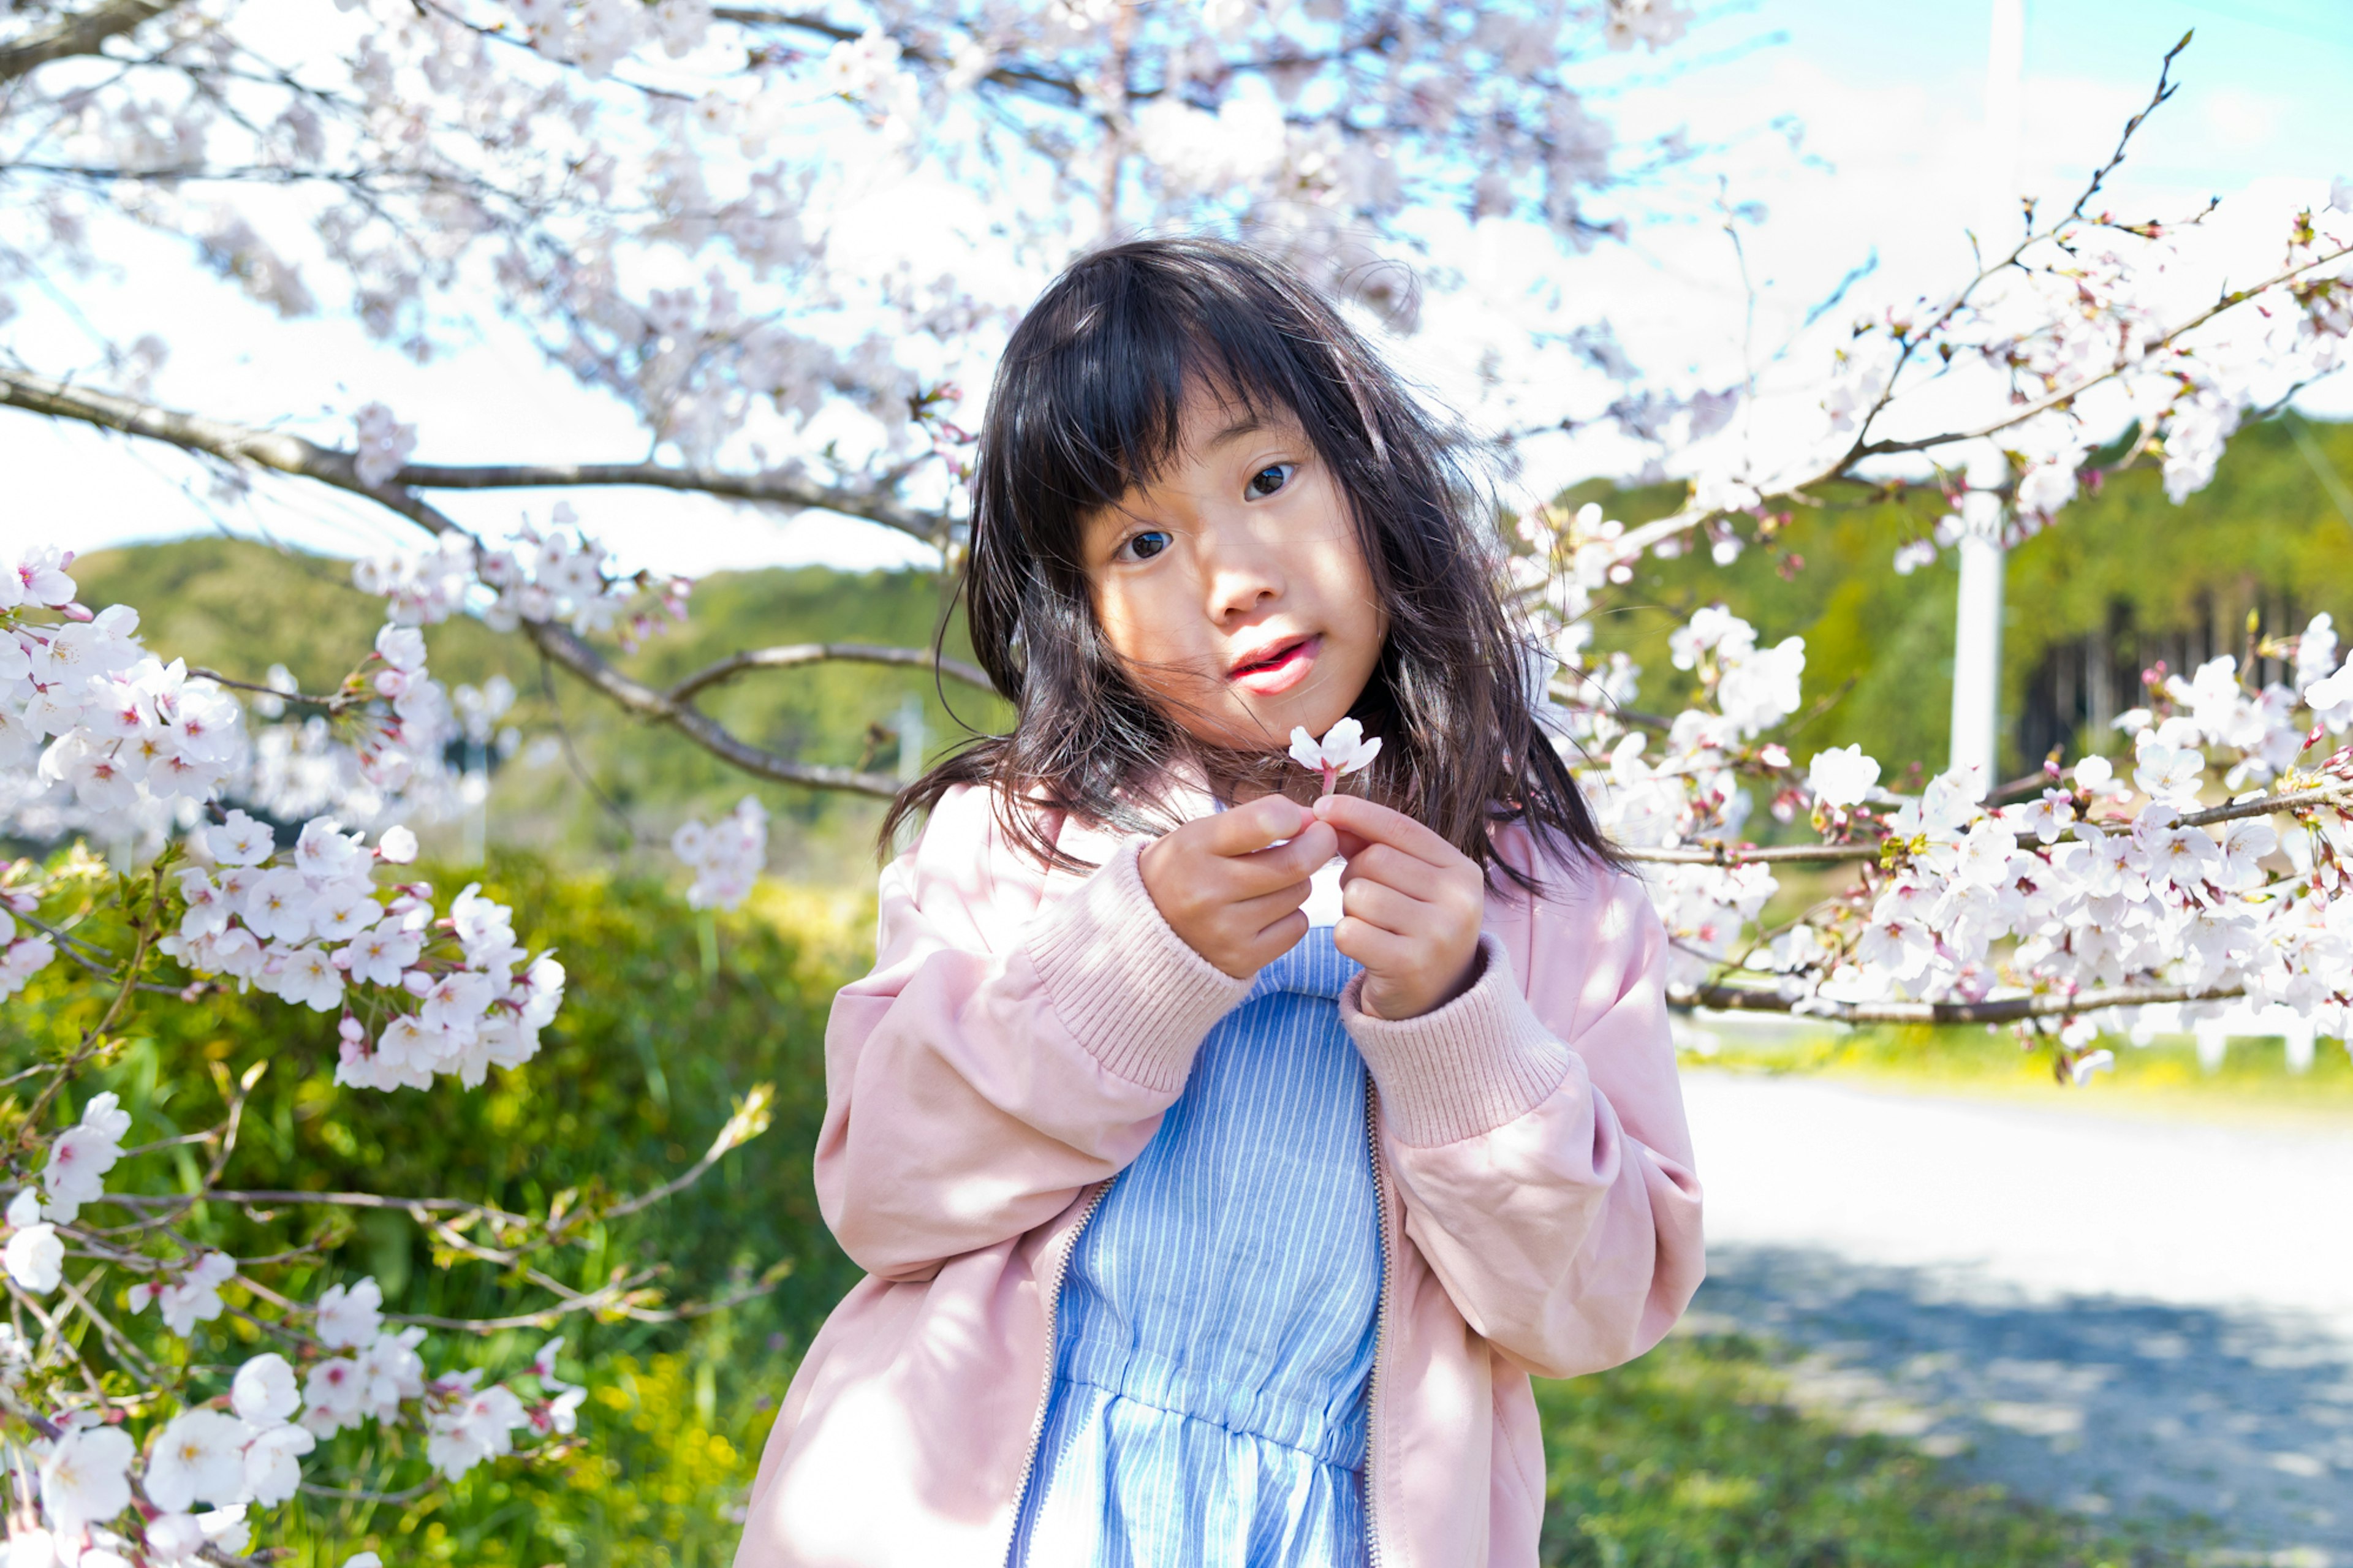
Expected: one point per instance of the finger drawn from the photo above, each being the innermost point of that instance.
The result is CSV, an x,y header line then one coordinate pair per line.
x,y
1295,861
1245,829
1388,909
1277,939
1257,913
1380,824
1393,867
1382,952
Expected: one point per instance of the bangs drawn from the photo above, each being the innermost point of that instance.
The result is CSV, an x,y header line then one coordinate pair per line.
x,y
1090,402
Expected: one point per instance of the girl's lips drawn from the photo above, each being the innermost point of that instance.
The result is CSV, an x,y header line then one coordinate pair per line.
x,y
1286,670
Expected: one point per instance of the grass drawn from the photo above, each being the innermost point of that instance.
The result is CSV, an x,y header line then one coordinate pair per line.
x,y
1693,1457
2163,1077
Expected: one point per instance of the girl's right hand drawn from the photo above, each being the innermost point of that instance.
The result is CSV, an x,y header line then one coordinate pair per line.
x,y
1224,885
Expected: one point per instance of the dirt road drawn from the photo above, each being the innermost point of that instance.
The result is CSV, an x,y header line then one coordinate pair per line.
x,y
2110,1311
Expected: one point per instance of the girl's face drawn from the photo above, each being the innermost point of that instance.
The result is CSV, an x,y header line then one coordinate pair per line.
x,y
1233,588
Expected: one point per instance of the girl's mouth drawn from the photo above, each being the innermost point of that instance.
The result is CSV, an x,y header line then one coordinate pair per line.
x,y
1279,669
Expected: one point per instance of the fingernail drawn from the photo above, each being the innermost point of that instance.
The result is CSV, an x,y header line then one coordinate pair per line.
x,y
1322,807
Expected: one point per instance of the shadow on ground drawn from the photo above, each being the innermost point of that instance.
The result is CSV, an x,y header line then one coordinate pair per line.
x,y
2105,1405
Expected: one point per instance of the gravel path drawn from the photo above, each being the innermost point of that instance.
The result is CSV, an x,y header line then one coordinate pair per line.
x,y
2112,1312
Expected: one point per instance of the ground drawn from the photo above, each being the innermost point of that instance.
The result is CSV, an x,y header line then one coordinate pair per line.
x,y
2117,1306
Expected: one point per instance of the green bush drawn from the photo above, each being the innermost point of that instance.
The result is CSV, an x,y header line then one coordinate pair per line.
x,y
670,1019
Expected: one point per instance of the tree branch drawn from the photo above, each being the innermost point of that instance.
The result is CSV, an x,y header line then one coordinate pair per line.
x,y
799,654
78,34
775,490
2008,1009
290,454
330,465
2338,795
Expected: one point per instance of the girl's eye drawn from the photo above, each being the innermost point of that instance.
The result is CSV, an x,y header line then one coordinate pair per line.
x,y
1146,545
1271,478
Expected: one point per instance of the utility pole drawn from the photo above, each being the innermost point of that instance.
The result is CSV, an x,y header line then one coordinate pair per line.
x,y
1977,635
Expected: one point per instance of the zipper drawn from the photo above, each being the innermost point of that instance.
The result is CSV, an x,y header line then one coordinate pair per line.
x,y
1046,1390
1380,1330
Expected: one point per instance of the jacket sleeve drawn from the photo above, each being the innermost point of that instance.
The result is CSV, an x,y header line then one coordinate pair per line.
x,y
1537,1137
1002,1055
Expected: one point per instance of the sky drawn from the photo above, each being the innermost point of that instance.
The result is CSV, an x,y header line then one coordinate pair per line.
x,y
1890,95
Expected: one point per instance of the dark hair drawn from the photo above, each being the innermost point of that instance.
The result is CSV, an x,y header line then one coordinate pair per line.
x,y
1086,407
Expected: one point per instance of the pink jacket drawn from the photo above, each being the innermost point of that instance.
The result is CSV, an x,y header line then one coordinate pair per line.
x,y
1014,1047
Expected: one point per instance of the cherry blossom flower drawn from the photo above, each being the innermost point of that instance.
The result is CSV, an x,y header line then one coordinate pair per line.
x,y
173,1537
330,1395
350,1316
86,1478
199,1457
2169,773
193,1298
82,1155
1841,776
35,1257
239,841
272,1464
385,444
726,857
477,1425
263,1391
1344,749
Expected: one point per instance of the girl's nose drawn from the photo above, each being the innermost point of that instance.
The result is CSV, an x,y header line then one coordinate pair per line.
x,y
1243,572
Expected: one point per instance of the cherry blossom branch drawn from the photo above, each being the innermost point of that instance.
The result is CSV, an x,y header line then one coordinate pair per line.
x,y
290,454
78,34
779,489
2019,413
1834,854
796,654
330,465
2005,1010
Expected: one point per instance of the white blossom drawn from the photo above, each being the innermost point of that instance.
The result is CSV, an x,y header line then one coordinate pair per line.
x,y
199,1457
86,1478
350,1316
263,1391
1841,776
726,857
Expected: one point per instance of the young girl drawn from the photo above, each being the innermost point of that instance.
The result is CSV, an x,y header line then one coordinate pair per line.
x,y
1216,1198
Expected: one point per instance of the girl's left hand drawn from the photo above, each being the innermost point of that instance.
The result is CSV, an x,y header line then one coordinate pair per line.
x,y
1410,903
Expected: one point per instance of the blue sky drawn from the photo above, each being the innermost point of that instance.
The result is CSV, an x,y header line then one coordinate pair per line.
x,y
1891,93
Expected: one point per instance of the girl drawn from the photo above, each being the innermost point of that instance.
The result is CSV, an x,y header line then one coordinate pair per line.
x,y
1217,1200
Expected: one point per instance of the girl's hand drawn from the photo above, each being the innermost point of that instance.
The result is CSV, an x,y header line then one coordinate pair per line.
x,y
1233,898
1411,905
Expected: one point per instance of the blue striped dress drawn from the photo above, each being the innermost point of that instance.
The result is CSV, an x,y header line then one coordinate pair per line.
x,y
1214,1340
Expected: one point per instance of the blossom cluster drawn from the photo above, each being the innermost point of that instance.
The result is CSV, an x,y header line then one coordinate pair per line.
x,y
449,994
226,1461
725,856
109,723
327,922
556,573
2105,876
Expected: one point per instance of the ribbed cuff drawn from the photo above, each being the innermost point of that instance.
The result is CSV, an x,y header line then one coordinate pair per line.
x,y
1464,1068
1124,984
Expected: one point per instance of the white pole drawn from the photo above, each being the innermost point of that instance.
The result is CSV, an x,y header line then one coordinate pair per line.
x,y
1977,633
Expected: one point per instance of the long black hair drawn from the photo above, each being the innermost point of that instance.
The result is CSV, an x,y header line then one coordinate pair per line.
x,y
1087,407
